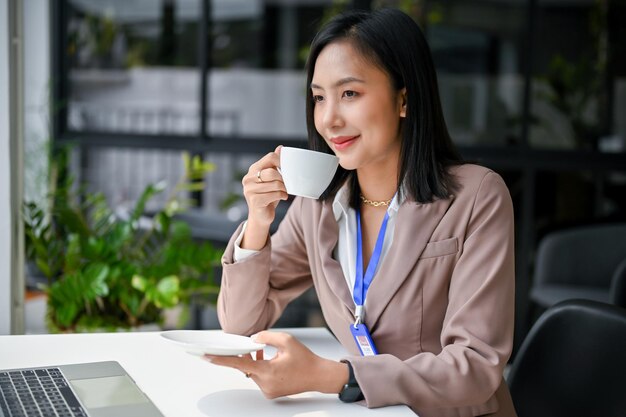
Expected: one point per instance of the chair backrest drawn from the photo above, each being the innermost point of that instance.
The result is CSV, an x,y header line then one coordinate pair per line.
x,y
572,363
581,256
618,286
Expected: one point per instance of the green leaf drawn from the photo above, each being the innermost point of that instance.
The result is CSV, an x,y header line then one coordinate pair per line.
x,y
172,207
73,220
65,301
73,254
94,248
208,167
186,161
196,164
150,191
162,222
43,267
95,280
120,235
132,300
139,283
168,285
196,175
116,272
166,294
194,186
65,314
41,250
180,230
105,271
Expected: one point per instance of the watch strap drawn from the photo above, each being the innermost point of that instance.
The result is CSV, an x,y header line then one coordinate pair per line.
x,y
351,391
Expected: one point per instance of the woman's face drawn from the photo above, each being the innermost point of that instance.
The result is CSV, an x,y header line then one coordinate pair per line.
x,y
357,111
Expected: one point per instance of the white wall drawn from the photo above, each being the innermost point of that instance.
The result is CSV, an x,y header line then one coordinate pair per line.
x,y
11,257
5,190
5,220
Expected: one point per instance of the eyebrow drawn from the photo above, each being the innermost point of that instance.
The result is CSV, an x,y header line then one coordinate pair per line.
x,y
341,82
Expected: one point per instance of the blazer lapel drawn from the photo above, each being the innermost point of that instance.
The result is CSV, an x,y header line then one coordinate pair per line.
x,y
414,226
333,273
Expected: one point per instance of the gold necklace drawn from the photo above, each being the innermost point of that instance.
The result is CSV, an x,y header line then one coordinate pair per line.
x,y
375,203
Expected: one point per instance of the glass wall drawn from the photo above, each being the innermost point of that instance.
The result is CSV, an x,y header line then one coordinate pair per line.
x,y
133,66
535,89
227,75
478,50
567,74
578,86
256,80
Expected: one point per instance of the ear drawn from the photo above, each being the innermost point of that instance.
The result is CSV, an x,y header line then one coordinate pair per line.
x,y
402,102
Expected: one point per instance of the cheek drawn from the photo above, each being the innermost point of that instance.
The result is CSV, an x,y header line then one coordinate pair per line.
x,y
316,122
389,120
372,114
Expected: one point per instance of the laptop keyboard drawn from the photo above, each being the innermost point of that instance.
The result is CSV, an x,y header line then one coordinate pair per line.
x,y
38,392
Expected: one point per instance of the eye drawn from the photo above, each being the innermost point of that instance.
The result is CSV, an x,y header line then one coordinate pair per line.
x,y
350,94
318,98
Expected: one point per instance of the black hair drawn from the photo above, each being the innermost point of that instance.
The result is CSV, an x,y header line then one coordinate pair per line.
x,y
391,40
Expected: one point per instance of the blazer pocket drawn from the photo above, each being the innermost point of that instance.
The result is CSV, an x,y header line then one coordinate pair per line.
x,y
440,248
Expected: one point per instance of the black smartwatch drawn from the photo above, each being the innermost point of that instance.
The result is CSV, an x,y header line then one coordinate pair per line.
x,y
351,392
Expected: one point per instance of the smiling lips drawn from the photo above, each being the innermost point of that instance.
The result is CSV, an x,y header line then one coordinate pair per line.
x,y
342,142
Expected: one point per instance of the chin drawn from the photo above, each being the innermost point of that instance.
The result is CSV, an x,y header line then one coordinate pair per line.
x,y
347,164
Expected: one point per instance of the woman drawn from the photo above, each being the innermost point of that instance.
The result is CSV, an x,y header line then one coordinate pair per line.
x,y
439,310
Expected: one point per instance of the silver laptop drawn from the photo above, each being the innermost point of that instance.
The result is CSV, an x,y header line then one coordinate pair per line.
x,y
99,389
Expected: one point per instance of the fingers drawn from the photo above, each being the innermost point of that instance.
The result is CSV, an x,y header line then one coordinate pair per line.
x,y
263,176
263,185
279,340
270,160
244,364
263,200
265,169
285,374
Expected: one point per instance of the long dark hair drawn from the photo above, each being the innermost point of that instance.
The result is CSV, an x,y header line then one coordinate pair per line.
x,y
392,41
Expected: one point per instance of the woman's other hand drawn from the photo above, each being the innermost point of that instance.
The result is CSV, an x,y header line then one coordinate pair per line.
x,y
293,370
263,189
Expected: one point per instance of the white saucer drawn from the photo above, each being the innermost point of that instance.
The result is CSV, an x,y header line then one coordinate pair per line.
x,y
212,342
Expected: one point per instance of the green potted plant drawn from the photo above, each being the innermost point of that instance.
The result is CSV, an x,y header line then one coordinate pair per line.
x,y
105,271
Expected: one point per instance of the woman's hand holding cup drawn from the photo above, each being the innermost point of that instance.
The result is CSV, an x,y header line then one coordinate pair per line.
x,y
302,172
263,188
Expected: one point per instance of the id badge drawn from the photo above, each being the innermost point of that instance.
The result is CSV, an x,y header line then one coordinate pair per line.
x,y
363,340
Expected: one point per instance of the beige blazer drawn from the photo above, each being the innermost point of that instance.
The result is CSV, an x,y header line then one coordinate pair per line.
x,y
440,309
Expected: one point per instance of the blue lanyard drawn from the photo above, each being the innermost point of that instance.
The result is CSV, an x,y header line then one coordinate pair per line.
x,y
362,282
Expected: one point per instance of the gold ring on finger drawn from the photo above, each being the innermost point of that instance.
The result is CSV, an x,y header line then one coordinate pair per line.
x,y
258,177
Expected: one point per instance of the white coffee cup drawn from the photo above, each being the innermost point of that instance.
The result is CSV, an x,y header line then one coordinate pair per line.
x,y
306,173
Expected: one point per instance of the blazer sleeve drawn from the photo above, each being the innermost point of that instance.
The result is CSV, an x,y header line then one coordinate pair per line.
x,y
477,332
255,291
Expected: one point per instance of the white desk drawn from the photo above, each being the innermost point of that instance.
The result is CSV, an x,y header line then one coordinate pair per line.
x,y
182,385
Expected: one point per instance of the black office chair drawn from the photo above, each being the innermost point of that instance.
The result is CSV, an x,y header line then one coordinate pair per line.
x,y
618,286
572,363
577,263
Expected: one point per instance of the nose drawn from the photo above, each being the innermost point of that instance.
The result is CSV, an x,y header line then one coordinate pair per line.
x,y
331,115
